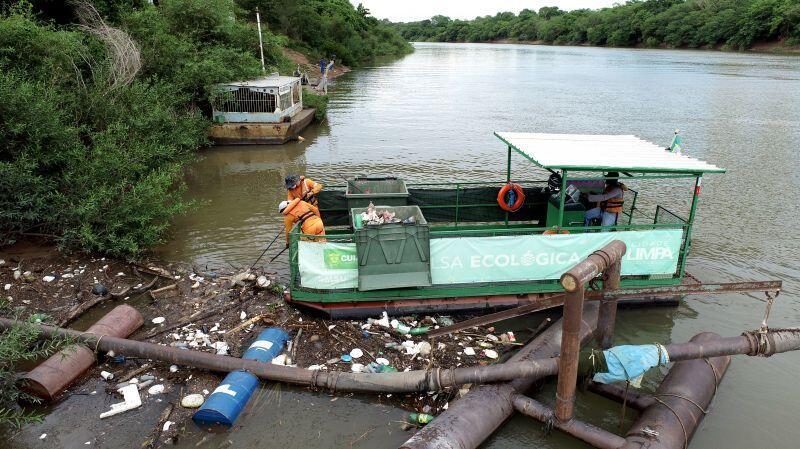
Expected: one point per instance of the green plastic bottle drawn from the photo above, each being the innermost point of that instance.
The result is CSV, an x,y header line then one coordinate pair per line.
x,y
420,330
420,418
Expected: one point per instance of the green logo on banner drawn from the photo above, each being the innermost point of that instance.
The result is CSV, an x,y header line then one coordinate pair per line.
x,y
340,258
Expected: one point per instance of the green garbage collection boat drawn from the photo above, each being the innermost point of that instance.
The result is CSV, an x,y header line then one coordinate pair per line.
x,y
485,245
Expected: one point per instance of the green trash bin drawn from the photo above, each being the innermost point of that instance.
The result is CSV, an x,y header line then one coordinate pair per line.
x,y
379,191
393,255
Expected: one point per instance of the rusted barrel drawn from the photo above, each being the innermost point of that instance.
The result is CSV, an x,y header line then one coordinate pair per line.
x,y
681,402
52,377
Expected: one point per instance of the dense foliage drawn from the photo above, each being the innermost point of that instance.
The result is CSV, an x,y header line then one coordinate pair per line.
x,y
99,119
736,24
331,29
97,165
19,344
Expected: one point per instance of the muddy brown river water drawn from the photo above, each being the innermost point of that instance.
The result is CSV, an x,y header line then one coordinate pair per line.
x,y
429,117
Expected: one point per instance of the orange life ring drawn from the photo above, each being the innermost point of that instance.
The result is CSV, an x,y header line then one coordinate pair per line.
x,y
501,197
554,232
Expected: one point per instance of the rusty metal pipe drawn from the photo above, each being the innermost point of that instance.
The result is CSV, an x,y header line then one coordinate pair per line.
x,y
471,419
573,282
593,265
631,397
53,376
570,350
581,430
750,343
539,360
411,381
681,402
606,321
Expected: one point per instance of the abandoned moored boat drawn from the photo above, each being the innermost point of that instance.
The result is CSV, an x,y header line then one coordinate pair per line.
x,y
267,110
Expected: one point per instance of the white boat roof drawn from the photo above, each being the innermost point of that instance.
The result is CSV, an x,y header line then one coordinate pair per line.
x,y
623,153
267,81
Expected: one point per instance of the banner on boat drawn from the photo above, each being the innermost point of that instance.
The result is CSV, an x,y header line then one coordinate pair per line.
x,y
467,260
533,257
327,265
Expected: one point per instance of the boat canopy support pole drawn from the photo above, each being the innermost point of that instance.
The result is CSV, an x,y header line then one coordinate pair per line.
x,y
687,242
561,196
508,175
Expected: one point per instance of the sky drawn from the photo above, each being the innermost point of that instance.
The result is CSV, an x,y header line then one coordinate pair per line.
x,y
411,10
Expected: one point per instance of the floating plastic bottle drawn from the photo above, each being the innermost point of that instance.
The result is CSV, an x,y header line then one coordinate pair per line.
x,y
420,418
405,329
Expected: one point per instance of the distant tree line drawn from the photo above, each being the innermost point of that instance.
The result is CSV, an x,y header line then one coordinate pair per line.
x,y
331,28
729,24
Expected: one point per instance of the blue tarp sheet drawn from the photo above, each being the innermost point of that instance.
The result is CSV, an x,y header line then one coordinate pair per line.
x,y
630,362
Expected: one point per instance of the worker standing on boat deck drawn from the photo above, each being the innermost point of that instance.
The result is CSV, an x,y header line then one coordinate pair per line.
x,y
299,211
609,203
303,188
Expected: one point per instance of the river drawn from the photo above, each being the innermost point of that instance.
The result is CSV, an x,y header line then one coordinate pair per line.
x,y
430,117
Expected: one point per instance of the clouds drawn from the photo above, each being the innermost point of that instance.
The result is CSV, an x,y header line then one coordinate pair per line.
x,y
410,10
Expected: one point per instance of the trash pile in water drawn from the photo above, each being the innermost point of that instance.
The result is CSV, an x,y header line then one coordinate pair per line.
x,y
219,312
374,217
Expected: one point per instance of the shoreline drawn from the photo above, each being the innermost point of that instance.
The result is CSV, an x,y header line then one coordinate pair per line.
x,y
775,48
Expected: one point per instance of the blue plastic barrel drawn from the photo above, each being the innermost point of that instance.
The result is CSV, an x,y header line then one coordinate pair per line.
x,y
267,346
228,400
225,404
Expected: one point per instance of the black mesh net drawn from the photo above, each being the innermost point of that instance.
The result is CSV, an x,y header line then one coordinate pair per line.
x,y
472,204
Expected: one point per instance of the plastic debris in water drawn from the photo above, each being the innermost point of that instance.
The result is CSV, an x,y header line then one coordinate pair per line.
x,y
132,401
492,354
356,353
262,282
99,290
156,389
158,320
49,278
420,418
192,401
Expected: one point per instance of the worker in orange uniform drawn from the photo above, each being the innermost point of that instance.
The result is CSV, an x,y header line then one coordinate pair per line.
x,y
303,188
299,211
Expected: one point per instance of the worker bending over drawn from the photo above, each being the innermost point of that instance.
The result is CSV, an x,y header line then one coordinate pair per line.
x,y
302,188
609,203
299,211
